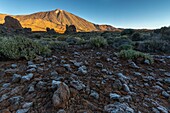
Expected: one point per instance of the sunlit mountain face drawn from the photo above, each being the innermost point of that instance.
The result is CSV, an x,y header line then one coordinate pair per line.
x,y
58,19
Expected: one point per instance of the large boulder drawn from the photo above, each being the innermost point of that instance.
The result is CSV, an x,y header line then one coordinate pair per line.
x,y
71,29
12,23
61,96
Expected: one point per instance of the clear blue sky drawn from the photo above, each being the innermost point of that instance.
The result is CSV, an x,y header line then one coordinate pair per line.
x,y
119,13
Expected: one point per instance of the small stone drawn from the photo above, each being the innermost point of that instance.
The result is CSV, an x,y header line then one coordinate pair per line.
x,y
167,74
55,84
155,110
68,67
11,71
15,100
27,77
126,88
99,65
16,78
118,108
77,85
41,85
54,73
76,53
157,88
30,63
167,80
127,98
61,111
82,70
77,64
14,65
94,94
32,66
159,83
4,97
31,89
133,65
6,85
120,75
165,94
22,111
40,70
162,109
31,70
5,111
109,60
27,105
137,74
117,85
147,62
114,96
146,84
16,90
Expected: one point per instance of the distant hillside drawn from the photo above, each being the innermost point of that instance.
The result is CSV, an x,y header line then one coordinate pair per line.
x,y
58,19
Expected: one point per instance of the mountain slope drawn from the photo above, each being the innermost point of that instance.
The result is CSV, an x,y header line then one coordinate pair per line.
x,y
58,19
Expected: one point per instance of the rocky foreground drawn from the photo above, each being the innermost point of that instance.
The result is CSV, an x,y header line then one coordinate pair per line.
x,y
85,81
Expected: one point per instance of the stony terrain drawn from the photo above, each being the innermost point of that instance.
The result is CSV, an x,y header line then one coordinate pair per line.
x,y
85,81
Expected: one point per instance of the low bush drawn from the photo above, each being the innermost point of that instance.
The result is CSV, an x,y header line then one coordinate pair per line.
x,y
166,38
136,37
157,46
132,54
125,47
21,47
98,41
62,38
119,41
60,45
75,40
127,32
36,35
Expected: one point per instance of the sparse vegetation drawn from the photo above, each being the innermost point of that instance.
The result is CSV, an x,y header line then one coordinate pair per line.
x,y
21,47
127,32
60,45
133,54
75,40
136,37
154,46
98,41
125,47
119,41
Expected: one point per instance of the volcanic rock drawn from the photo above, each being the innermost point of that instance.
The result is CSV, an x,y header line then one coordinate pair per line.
x,y
12,23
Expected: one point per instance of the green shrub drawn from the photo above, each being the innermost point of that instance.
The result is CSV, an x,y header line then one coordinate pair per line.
x,y
21,47
119,41
98,41
47,39
166,37
75,40
136,37
132,54
81,41
61,45
127,32
125,47
36,35
62,38
157,46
